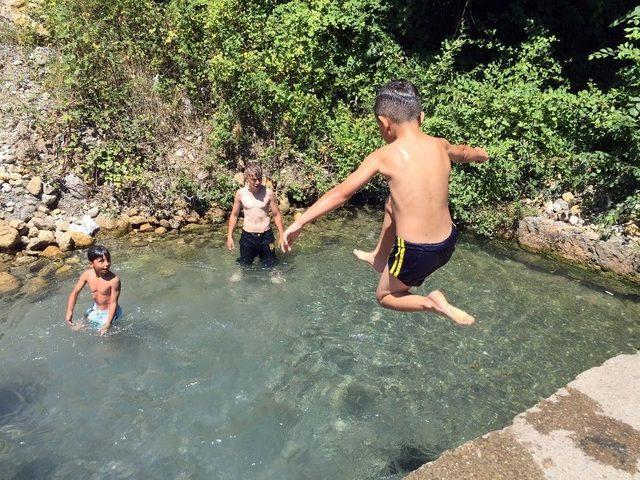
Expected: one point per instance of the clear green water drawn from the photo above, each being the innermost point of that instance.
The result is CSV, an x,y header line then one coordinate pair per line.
x,y
310,379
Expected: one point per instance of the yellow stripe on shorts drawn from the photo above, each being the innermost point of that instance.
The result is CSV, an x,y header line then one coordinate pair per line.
x,y
395,261
402,249
397,264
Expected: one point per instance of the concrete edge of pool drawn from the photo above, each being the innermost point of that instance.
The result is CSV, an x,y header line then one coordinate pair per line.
x,y
589,429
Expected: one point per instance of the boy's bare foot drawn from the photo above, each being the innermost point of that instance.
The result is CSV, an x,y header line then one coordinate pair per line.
x,y
377,263
445,308
277,278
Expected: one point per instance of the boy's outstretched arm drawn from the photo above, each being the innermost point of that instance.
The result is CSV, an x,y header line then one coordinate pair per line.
x,y
233,219
334,198
277,218
113,305
466,154
73,297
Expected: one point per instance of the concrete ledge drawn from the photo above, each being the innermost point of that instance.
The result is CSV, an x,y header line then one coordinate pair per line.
x,y
587,430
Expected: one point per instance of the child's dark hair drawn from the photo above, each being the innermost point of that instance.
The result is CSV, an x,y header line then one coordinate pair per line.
x,y
399,101
253,170
98,251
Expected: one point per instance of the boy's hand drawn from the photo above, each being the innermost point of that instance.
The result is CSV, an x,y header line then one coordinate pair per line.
x,y
69,319
103,331
230,245
483,156
290,235
281,242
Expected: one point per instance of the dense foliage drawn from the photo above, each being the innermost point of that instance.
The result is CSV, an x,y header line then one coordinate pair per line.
x,y
291,83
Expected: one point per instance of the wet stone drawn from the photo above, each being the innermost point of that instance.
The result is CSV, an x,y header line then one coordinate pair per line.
x,y
8,283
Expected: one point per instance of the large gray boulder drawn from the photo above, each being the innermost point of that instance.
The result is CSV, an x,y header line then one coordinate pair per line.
x,y
575,243
75,186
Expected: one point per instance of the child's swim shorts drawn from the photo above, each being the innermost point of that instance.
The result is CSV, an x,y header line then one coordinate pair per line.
x,y
97,318
411,263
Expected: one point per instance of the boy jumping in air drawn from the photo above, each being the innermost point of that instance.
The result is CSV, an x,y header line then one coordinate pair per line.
x,y
418,235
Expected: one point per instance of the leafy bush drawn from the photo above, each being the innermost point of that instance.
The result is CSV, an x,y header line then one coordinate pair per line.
x,y
291,84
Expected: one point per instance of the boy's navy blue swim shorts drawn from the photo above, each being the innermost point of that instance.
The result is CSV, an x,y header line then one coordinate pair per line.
x,y
411,263
254,245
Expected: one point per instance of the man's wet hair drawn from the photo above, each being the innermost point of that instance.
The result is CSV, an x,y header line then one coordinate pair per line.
x,y
253,170
98,251
399,101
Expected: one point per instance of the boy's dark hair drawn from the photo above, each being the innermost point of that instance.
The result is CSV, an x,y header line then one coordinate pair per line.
x,y
253,169
98,251
399,101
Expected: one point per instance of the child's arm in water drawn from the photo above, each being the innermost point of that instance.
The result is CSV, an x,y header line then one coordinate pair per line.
x,y
277,219
233,219
334,198
113,305
73,297
466,154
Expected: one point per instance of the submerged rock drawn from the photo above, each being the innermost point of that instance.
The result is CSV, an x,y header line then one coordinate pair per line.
x,y
34,286
8,283
63,270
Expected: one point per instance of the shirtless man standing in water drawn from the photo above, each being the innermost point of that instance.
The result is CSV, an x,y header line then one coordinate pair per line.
x,y
257,238
418,235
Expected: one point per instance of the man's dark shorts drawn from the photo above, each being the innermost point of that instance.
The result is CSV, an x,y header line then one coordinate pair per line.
x,y
254,245
411,263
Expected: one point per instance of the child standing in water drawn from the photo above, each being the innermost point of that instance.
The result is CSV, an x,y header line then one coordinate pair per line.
x,y
257,238
418,235
105,288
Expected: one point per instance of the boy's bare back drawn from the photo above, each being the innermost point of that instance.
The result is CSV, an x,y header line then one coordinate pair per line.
x,y
417,168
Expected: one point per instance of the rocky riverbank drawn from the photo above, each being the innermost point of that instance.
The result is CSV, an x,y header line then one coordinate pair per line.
x,y
560,230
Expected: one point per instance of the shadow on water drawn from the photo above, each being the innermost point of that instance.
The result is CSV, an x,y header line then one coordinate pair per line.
x,y
409,458
40,468
16,397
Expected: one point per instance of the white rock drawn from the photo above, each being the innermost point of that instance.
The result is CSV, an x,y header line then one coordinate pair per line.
x,y
86,226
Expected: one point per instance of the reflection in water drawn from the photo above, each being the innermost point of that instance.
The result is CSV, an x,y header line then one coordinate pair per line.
x,y
206,378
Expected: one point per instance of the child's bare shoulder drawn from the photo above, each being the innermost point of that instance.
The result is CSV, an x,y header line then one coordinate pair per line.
x,y
385,152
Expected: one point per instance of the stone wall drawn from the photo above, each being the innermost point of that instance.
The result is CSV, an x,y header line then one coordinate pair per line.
x,y
616,254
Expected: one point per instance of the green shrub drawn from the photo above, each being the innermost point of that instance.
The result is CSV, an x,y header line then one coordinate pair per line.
x,y
291,84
